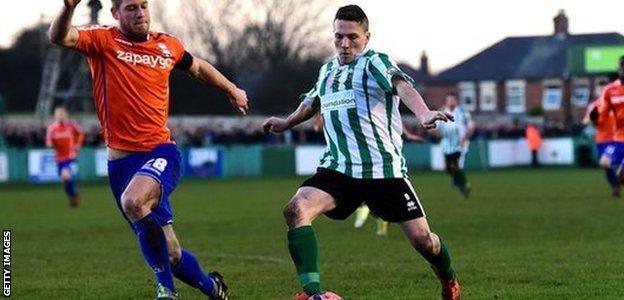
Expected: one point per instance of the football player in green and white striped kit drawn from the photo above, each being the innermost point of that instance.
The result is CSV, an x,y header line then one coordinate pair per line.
x,y
455,140
358,93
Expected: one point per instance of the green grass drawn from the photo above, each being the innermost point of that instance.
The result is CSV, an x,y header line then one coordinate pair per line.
x,y
525,234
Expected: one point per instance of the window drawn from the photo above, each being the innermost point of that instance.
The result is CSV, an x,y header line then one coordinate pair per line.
x,y
580,92
468,95
514,94
551,98
551,95
580,96
487,95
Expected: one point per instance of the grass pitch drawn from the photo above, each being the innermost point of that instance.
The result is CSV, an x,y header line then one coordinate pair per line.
x,y
524,234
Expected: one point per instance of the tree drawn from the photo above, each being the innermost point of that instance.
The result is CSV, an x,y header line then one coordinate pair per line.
x,y
21,69
271,48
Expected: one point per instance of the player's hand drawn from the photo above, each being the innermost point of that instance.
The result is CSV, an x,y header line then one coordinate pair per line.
x,y
71,3
274,124
238,98
594,115
429,118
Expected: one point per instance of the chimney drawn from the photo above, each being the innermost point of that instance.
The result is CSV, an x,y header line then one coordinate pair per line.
x,y
561,23
95,6
424,63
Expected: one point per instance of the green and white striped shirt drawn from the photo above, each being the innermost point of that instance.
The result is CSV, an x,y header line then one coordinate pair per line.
x,y
360,116
453,132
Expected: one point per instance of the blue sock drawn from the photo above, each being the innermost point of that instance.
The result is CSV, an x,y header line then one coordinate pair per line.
x,y
154,247
70,188
611,177
189,271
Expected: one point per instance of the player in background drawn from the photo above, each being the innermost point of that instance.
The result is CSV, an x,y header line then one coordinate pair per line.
x,y
455,142
130,66
534,143
613,102
605,129
66,137
358,93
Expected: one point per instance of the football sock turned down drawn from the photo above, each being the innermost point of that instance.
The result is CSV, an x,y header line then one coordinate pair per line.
x,y
189,271
459,179
70,188
611,177
154,247
303,249
442,263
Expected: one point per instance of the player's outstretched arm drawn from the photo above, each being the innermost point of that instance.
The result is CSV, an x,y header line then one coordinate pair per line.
x,y
61,32
412,99
204,72
301,114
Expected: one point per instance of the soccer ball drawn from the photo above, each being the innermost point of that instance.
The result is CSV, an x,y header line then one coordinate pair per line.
x,y
325,296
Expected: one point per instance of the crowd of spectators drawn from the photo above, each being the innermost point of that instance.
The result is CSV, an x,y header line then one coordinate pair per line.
x,y
245,131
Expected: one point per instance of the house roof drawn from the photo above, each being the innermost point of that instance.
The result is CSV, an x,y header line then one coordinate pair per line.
x,y
526,57
417,74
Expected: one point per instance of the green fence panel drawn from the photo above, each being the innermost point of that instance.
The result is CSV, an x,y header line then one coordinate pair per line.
x,y
242,161
417,155
585,153
278,160
18,164
86,164
477,156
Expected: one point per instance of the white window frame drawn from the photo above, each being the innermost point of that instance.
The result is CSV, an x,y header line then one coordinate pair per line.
x,y
515,88
467,90
487,96
552,94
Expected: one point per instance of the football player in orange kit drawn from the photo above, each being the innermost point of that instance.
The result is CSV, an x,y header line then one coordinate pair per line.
x,y
66,137
605,128
130,66
613,102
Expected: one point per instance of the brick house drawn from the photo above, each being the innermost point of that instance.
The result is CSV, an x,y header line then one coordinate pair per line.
x,y
519,76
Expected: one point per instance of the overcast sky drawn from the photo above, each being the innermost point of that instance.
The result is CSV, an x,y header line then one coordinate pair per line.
x,y
448,30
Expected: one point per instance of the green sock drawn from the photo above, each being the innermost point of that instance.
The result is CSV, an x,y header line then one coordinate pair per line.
x,y
303,249
442,263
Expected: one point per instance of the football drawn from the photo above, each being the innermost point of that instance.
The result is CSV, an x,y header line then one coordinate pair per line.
x,y
325,296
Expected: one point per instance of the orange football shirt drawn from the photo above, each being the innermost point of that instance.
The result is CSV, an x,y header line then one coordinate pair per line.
x,y
613,97
66,138
131,85
605,125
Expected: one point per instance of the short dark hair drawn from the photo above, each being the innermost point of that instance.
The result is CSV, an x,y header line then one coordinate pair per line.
x,y
352,13
452,94
116,3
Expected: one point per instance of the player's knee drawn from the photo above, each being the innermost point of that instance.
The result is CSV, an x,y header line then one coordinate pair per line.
x,y
65,176
175,254
133,205
423,242
294,210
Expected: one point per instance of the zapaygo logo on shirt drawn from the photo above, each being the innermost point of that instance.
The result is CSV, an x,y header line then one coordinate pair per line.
x,y
151,61
617,99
